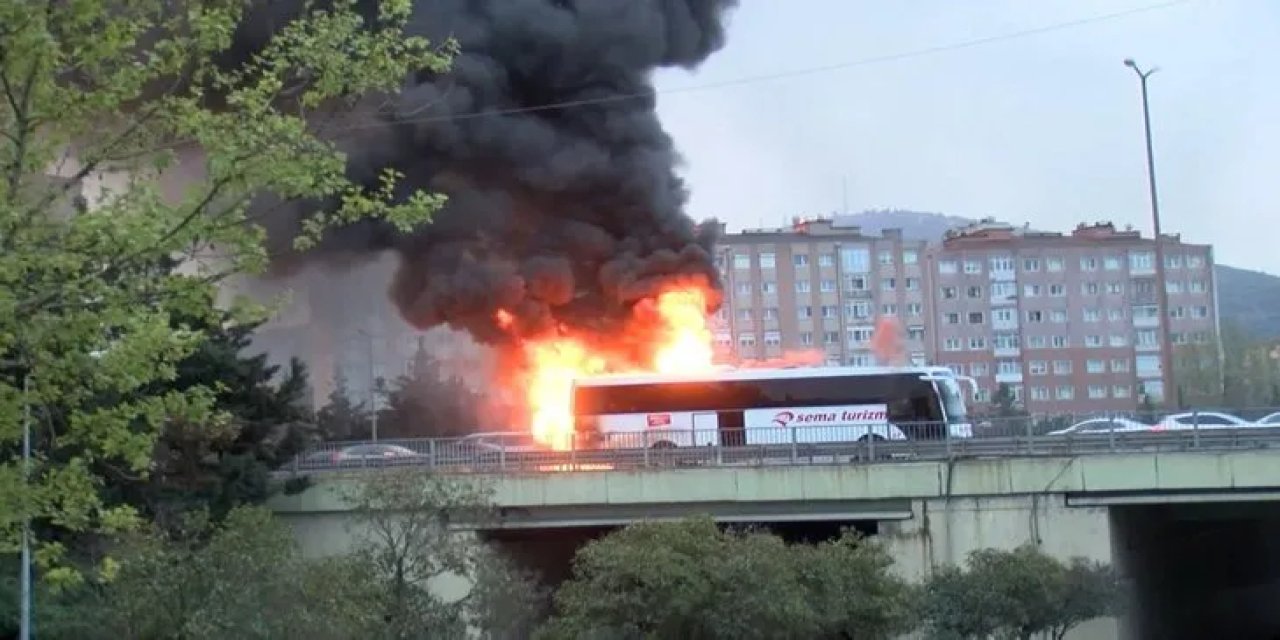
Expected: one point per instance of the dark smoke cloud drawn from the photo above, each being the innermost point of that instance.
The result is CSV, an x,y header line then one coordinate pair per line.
x,y
561,216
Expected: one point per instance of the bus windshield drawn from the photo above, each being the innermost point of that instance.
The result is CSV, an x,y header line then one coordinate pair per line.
x,y
953,400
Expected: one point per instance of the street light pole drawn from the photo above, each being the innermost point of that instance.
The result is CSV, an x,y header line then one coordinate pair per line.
x,y
24,622
1162,293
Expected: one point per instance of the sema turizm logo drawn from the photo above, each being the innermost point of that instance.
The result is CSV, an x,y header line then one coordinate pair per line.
x,y
827,416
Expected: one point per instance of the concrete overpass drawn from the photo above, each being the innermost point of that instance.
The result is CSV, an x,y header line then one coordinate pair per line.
x,y
1195,531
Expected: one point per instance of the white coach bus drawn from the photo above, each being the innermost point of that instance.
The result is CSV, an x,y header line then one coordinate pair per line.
x,y
770,406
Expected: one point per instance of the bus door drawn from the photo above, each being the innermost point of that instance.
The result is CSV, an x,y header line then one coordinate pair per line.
x,y
732,425
705,429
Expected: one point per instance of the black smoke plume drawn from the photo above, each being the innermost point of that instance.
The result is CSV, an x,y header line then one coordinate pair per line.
x,y
561,215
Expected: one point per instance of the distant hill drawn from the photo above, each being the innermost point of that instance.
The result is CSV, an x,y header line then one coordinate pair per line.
x,y
1250,299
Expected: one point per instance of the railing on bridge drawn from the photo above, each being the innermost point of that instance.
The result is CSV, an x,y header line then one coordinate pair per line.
x,y
792,445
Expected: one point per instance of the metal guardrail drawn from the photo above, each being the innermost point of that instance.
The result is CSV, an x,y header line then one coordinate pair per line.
x,y
772,446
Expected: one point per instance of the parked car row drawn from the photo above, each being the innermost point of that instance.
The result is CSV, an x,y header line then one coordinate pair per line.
x,y
1173,422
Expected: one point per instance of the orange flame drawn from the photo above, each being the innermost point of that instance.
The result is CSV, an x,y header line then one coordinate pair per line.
x,y
674,337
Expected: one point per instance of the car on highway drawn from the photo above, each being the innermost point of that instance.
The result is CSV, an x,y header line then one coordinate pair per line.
x,y
1201,420
1102,426
374,453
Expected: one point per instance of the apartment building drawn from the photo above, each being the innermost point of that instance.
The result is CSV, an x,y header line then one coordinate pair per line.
x,y
1069,321
820,286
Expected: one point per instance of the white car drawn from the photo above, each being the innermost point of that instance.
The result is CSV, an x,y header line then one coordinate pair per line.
x,y
1270,420
1201,420
1102,426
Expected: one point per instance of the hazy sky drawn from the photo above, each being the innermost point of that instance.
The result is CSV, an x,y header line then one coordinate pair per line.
x,y
1045,128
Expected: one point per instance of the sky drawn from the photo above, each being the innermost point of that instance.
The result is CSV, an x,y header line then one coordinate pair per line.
x,y
1044,129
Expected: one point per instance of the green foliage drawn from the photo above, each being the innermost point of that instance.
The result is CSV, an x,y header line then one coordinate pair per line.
x,y
122,143
340,418
1004,404
427,403
689,579
1243,375
1018,594
402,533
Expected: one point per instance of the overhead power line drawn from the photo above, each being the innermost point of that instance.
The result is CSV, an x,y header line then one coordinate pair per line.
x,y
863,62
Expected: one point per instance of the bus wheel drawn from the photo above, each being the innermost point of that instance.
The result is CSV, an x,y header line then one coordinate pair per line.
x,y
664,444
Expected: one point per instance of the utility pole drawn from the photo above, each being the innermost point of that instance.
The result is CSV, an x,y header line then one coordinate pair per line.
x,y
24,622
1162,293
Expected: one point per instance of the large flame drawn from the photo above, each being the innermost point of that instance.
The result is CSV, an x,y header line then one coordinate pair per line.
x,y
674,337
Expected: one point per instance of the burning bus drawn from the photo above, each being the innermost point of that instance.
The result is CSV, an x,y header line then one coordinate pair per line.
x,y
733,407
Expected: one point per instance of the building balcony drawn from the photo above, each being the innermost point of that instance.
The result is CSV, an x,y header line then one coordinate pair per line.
x,y
1009,378
1007,352
1003,276
1146,348
1146,323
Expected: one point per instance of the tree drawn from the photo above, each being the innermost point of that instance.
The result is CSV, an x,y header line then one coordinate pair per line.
x,y
428,403
404,533
108,93
689,579
1022,594
340,418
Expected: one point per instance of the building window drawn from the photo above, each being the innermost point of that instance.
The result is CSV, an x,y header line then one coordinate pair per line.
x,y
800,259
914,309
1111,263
889,309
1177,312
972,266
1003,316
860,360
724,339
949,293
1031,290
1199,312
1145,338
951,317
1001,264
1039,393
1089,288
855,259
831,337
1003,289
978,369
1118,340
1173,262
1057,290
826,260
1148,365
913,284
743,288
1093,342
915,333
910,256
856,283
1115,288
1195,262
1035,342
1031,264
767,261
827,286
804,313
1006,341
1195,286
803,286
741,261
1066,392
1038,367
772,339
829,311
947,266
1088,264
1092,315
1054,264
744,314
857,309
1035,316
859,335
977,343
1172,286
770,313
1115,313
974,292
1141,261
747,340
1119,365
1008,367
1061,367
886,258
769,287
1059,342
888,284
806,338
1058,315
977,317
1121,391
951,344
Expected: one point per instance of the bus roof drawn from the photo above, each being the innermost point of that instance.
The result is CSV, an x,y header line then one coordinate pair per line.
x,y
620,379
